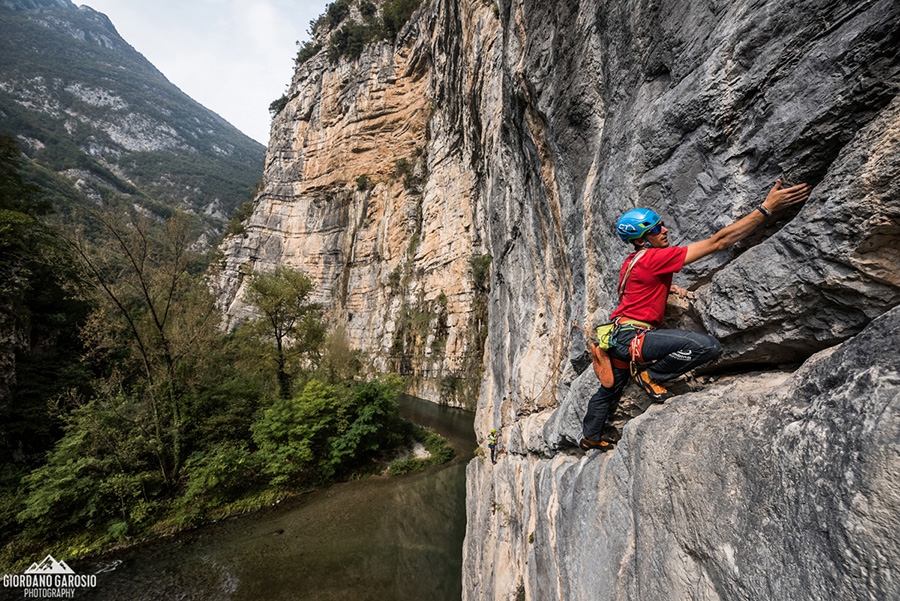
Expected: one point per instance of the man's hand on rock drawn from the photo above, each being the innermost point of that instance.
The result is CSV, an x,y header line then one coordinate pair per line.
x,y
781,198
678,291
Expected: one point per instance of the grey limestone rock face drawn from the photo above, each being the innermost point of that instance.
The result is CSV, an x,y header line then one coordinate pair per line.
x,y
756,486
828,272
694,112
763,486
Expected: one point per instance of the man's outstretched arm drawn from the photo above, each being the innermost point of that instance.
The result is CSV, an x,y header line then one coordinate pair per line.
x,y
778,199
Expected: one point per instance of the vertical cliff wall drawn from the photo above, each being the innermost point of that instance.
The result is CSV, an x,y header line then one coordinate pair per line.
x,y
369,190
772,476
762,485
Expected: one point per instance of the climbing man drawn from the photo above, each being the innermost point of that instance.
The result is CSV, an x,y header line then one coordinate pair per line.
x,y
492,444
641,350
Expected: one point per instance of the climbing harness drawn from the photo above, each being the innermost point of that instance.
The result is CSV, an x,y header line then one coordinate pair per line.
x,y
636,346
602,363
636,350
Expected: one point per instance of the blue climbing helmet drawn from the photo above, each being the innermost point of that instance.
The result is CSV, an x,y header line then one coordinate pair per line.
x,y
635,223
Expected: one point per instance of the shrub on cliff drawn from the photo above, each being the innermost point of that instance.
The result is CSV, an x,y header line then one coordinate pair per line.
x,y
349,41
307,50
277,105
236,225
337,11
395,14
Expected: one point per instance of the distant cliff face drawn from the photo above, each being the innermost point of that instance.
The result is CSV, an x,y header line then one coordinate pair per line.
x,y
545,123
369,191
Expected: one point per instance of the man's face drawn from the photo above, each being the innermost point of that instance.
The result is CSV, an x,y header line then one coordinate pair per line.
x,y
660,240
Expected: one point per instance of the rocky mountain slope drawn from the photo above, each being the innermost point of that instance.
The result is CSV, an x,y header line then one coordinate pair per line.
x,y
84,103
771,476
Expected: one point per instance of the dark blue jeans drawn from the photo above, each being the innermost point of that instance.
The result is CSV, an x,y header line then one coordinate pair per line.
x,y
671,352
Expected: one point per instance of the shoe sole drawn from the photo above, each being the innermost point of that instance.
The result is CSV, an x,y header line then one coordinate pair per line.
x,y
653,395
602,449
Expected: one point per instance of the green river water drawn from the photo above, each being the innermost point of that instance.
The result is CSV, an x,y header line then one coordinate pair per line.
x,y
381,538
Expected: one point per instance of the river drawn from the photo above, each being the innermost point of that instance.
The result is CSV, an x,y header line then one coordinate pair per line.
x,y
380,538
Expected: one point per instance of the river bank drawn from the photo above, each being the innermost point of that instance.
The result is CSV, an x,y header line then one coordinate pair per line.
x,y
381,537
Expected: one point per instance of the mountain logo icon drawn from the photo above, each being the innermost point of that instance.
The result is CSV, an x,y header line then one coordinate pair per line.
x,y
49,566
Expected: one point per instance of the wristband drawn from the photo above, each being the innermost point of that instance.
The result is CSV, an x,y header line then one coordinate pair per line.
x,y
766,212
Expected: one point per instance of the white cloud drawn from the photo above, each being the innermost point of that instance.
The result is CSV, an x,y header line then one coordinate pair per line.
x,y
232,56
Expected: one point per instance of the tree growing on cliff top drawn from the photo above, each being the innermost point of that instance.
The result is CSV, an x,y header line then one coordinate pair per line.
x,y
395,14
287,319
352,37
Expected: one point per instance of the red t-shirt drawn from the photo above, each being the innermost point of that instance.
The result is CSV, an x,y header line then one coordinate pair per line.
x,y
648,284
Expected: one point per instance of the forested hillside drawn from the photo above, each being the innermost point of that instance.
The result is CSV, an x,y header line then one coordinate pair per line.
x,y
89,128
85,105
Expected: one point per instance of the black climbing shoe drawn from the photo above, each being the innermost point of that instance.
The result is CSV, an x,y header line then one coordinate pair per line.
x,y
656,392
587,444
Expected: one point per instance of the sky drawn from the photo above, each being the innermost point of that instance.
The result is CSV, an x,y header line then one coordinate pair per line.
x,y
232,56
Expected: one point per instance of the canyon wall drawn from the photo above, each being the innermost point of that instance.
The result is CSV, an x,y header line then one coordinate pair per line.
x,y
773,474
367,191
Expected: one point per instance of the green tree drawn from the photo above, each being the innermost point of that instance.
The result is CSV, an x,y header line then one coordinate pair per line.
x,y
288,319
396,13
328,429
340,362
367,9
22,240
171,389
154,312
293,434
101,475
337,11
216,476
350,40
375,425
